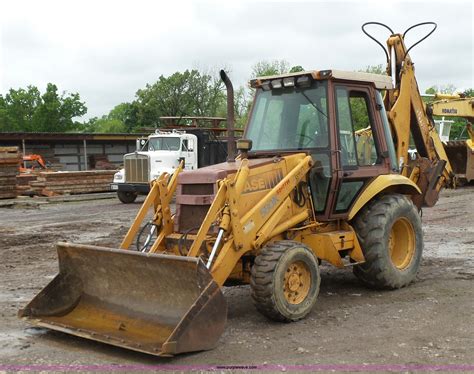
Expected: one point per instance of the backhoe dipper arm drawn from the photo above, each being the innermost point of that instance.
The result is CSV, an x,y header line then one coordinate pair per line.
x,y
407,110
407,114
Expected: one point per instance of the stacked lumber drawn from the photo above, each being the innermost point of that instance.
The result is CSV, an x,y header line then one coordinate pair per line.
x,y
101,162
23,183
10,160
72,182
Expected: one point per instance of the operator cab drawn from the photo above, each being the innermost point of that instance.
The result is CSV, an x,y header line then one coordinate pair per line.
x,y
327,114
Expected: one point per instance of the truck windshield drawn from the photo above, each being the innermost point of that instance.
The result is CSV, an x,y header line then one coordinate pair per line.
x,y
163,144
290,118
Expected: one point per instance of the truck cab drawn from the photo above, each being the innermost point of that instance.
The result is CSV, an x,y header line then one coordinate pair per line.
x,y
160,153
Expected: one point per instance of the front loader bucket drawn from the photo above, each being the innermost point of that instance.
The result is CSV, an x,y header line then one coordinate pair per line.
x,y
157,304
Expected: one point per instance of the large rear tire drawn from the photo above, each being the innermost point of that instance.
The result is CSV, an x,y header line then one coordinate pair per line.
x,y
285,281
126,197
391,237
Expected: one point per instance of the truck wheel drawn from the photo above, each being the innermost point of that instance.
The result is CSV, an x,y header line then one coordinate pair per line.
x,y
126,197
390,234
285,281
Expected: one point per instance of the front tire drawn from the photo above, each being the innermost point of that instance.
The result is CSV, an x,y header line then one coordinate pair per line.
x,y
127,197
285,281
391,237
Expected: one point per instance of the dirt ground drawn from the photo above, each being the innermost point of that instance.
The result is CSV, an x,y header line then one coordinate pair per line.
x,y
430,322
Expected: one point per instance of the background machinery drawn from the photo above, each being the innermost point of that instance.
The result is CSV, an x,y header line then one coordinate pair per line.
x,y
298,193
32,163
460,152
162,151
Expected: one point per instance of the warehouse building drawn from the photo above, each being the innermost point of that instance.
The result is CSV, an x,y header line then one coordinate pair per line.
x,y
74,151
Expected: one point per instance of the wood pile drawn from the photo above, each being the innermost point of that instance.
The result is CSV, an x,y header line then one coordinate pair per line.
x,y
101,162
72,182
10,160
23,183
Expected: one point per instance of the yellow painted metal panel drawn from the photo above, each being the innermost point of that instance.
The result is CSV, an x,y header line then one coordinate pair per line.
x,y
378,185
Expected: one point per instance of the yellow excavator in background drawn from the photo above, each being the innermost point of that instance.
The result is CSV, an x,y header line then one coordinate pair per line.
x,y
460,152
298,194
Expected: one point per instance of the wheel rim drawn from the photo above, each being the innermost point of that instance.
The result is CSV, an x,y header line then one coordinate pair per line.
x,y
401,243
297,282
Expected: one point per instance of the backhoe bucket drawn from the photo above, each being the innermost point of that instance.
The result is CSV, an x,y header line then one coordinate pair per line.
x,y
456,150
461,157
152,303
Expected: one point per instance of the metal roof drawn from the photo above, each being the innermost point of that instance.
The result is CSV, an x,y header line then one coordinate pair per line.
x,y
380,81
68,136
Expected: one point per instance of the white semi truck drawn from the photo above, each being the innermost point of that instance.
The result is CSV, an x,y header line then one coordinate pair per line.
x,y
162,152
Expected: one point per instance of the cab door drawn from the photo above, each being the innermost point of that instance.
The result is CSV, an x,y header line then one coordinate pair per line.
x,y
361,146
188,152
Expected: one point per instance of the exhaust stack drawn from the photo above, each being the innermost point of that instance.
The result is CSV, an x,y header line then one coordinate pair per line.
x,y
230,117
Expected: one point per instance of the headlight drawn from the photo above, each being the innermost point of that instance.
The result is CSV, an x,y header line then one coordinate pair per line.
x,y
118,176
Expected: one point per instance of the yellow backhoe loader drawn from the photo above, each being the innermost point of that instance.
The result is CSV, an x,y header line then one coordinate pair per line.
x,y
460,152
296,195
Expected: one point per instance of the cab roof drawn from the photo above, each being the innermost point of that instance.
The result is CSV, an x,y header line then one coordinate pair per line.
x,y
380,81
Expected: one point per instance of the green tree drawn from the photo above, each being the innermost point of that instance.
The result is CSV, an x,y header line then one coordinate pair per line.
x,y
242,103
374,69
28,110
431,90
126,113
358,106
266,68
182,94
449,89
120,112
296,69
105,124
205,94
18,109
119,120
244,97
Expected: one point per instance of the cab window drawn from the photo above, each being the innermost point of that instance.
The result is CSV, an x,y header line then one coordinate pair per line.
x,y
290,118
356,138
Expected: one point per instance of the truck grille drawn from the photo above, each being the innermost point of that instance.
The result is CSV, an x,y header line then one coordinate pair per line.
x,y
136,168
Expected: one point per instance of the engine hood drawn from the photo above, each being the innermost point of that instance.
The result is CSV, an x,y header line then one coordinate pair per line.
x,y
163,159
212,173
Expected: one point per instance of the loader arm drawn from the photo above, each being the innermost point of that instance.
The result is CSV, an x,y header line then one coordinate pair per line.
x,y
241,233
159,198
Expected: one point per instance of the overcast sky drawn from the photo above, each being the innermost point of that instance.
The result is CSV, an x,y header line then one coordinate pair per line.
x,y
107,50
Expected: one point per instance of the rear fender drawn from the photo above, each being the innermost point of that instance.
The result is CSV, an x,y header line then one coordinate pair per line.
x,y
395,182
